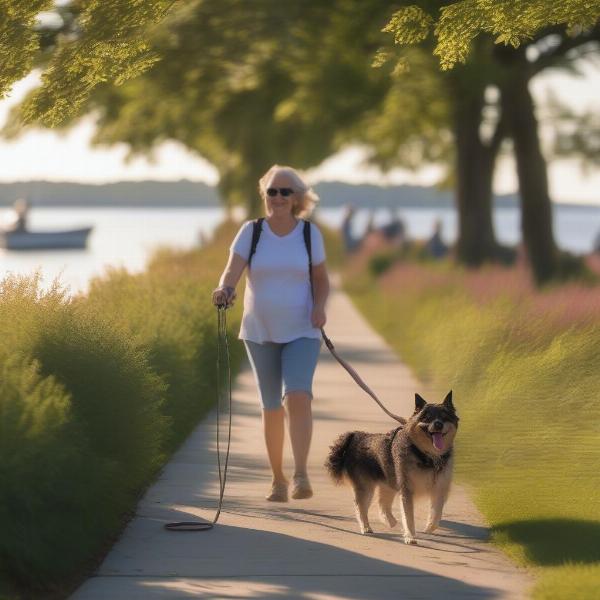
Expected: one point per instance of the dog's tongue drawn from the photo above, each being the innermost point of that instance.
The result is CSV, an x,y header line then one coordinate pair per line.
x,y
438,441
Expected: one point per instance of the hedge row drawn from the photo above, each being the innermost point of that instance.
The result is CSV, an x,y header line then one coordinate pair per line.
x,y
96,391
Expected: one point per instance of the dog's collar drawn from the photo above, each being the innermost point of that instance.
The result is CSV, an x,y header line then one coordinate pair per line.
x,y
427,462
395,432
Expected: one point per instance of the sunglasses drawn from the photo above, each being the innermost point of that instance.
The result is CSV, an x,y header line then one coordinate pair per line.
x,y
285,192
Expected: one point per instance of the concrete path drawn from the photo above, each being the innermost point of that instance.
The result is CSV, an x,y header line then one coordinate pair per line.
x,y
308,549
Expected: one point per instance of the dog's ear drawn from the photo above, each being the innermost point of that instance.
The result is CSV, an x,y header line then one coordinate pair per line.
x,y
419,403
448,402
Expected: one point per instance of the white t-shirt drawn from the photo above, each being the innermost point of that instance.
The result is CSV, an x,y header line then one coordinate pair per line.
x,y
277,301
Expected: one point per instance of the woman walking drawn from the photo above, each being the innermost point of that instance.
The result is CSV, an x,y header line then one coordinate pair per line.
x,y
281,322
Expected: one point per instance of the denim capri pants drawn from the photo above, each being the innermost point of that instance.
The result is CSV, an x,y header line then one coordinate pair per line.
x,y
280,368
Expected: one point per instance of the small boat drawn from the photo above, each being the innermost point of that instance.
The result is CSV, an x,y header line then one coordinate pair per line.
x,y
44,240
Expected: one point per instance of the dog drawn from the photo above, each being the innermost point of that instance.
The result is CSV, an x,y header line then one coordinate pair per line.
x,y
412,460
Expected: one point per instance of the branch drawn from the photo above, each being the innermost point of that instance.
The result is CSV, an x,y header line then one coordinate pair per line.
x,y
568,43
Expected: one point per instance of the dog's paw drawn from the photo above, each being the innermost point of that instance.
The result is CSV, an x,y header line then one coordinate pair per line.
x,y
389,520
410,540
366,530
430,528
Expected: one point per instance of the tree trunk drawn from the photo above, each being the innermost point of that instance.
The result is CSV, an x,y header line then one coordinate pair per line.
x,y
474,171
536,207
239,187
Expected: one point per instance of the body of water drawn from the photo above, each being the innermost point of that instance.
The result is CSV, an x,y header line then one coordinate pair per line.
x,y
127,237
575,228
121,237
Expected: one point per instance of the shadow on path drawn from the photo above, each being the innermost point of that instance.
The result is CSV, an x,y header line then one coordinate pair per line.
x,y
298,566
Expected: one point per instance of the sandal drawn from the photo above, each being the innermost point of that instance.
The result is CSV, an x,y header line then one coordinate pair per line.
x,y
301,488
279,492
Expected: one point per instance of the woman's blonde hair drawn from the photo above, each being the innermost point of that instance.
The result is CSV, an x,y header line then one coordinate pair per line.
x,y
306,200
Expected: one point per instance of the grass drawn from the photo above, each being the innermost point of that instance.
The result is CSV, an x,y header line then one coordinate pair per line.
x,y
523,365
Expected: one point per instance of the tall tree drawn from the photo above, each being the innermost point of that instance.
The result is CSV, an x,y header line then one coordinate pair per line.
x,y
249,84
475,164
475,138
550,48
519,25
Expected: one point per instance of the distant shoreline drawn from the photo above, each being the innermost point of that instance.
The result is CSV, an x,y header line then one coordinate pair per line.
x,y
192,194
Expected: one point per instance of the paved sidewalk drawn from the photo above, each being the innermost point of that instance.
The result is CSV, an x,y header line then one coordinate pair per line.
x,y
308,549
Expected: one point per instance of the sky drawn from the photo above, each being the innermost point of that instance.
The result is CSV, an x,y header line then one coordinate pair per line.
x,y
52,156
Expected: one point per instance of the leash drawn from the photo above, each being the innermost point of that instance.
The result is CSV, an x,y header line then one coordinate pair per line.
x,y
256,232
203,525
222,334
357,377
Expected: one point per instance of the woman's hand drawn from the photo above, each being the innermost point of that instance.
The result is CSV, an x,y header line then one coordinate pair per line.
x,y
223,296
318,317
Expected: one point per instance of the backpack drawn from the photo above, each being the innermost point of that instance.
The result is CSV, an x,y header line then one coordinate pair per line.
x,y
257,230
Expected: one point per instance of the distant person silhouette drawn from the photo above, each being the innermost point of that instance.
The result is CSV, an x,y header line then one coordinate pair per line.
x,y
596,248
395,230
435,245
351,242
21,209
370,226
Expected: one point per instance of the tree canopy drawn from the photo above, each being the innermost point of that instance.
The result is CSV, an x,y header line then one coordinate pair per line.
x,y
520,39
248,84
108,41
511,22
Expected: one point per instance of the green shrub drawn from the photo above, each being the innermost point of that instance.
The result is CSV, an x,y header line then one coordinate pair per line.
x,y
96,391
168,314
80,430
380,262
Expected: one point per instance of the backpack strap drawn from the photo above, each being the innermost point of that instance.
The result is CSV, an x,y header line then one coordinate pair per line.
x,y
256,231
309,251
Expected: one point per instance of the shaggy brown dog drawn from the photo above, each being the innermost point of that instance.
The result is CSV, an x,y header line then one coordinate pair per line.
x,y
413,460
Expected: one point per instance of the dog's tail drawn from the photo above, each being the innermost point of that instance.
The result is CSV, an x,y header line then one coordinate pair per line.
x,y
337,454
